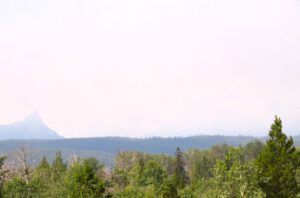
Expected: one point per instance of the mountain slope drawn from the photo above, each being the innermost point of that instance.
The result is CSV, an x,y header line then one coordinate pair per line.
x,y
32,127
105,148
113,145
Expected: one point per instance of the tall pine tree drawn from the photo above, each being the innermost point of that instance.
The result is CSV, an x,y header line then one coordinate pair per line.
x,y
180,175
277,164
58,167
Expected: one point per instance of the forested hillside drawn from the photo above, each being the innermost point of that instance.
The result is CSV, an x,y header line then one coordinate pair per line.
x,y
256,169
106,148
114,144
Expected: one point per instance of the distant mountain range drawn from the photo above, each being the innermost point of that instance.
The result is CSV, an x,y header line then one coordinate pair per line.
x,y
32,127
32,132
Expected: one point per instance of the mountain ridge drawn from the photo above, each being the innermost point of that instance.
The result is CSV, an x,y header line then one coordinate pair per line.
x,y
31,127
105,148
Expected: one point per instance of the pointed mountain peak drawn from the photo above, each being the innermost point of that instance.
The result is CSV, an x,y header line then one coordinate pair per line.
x,y
31,127
33,117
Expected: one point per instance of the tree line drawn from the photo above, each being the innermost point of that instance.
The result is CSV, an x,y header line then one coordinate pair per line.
x,y
255,170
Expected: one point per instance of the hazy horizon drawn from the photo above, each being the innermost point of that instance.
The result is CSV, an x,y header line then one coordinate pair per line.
x,y
151,68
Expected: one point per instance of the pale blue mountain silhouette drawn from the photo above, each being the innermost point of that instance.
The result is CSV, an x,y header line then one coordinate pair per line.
x,y
32,127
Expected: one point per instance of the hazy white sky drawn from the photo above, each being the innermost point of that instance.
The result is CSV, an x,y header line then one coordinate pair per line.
x,y
159,67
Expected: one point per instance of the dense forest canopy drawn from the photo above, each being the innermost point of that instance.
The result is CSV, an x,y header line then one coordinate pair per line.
x,y
256,169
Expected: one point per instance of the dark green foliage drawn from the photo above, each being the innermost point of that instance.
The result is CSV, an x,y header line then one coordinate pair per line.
x,y
82,181
202,168
252,149
277,164
169,188
179,175
234,177
58,168
15,188
94,164
105,148
57,174
41,177
200,163
153,174
19,188
42,171
254,170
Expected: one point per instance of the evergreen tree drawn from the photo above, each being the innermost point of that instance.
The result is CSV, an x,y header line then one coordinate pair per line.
x,y
154,174
277,164
43,169
180,176
81,181
40,178
149,173
168,189
58,167
58,172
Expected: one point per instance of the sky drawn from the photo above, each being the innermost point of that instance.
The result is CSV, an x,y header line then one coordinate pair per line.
x,y
142,68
